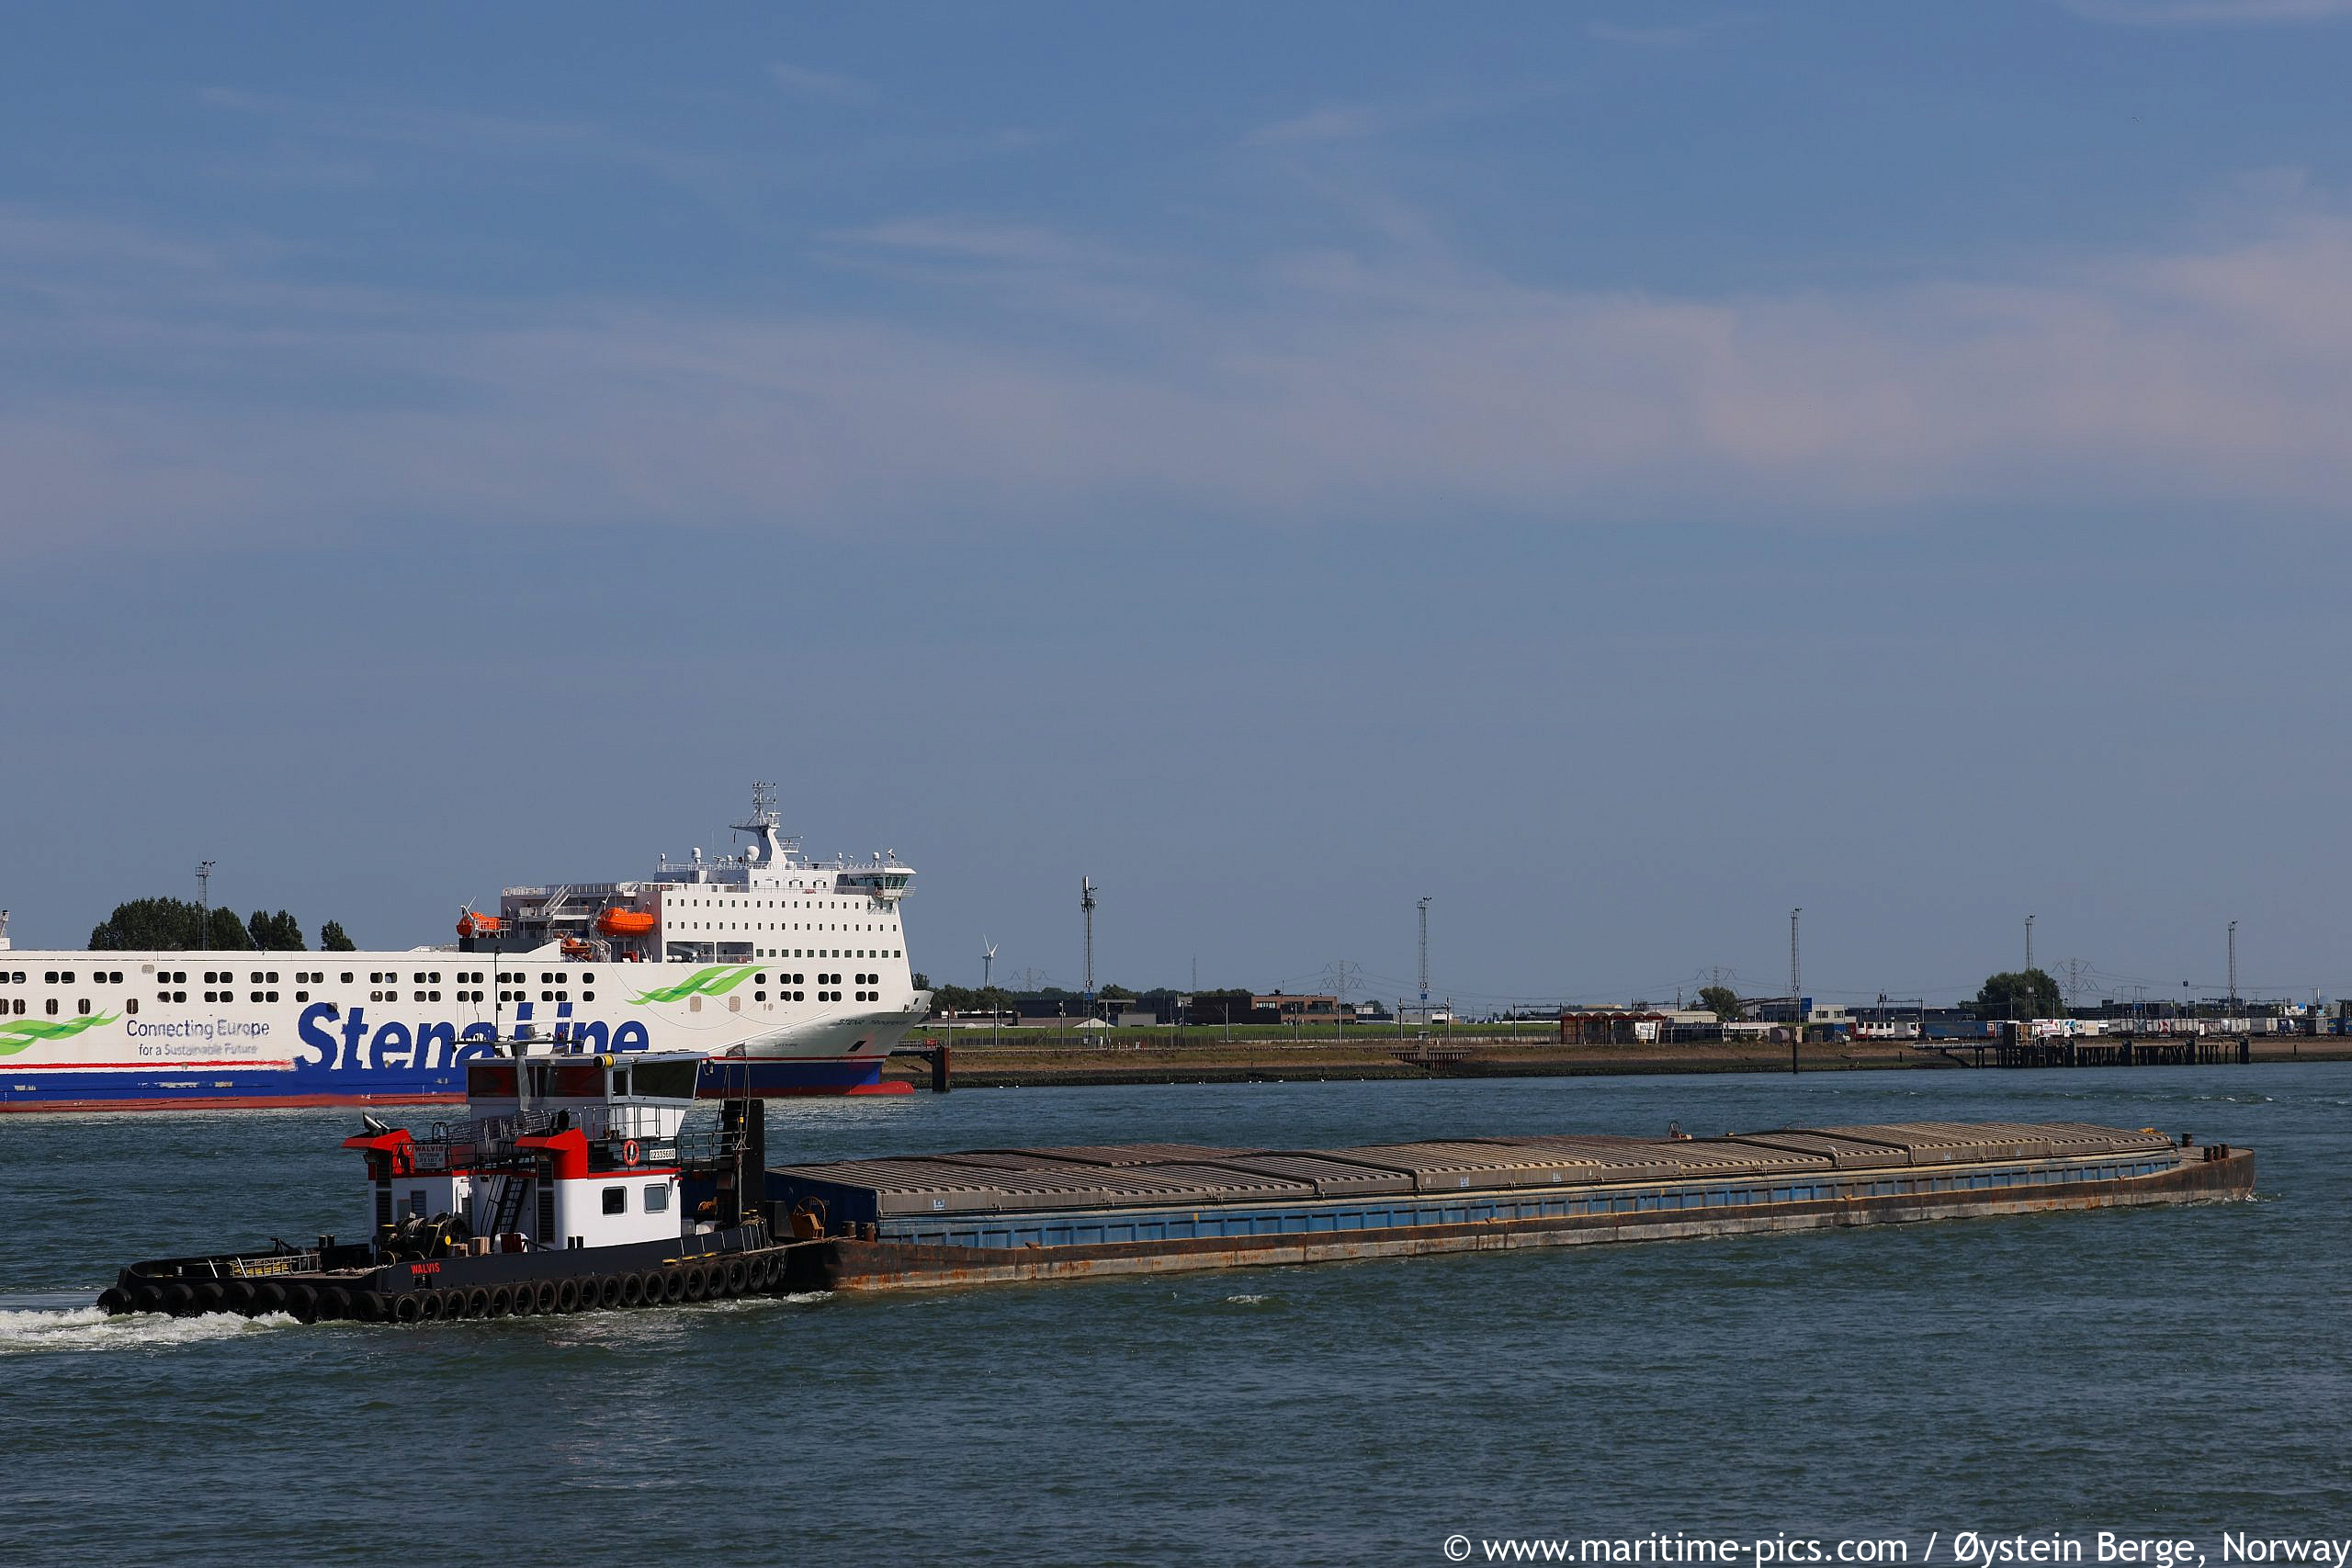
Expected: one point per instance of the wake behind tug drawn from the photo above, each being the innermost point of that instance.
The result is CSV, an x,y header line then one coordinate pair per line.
x,y
571,1185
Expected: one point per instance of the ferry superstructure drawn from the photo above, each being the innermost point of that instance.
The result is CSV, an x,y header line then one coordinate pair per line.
x,y
790,974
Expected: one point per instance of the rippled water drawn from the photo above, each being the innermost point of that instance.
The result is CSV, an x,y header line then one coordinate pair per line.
x,y
2137,1370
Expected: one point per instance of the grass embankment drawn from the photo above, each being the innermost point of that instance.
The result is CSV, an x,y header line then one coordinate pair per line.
x,y
1035,1058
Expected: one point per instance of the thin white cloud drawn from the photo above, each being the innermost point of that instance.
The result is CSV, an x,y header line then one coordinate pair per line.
x,y
960,238
186,398
1646,36
2198,12
1333,124
800,81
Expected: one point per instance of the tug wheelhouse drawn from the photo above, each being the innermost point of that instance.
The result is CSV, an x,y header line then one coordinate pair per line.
x,y
562,1154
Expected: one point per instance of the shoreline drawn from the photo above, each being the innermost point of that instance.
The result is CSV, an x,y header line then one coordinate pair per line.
x,y
1047,1065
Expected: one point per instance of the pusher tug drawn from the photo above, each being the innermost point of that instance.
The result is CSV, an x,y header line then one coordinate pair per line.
x,y
570,1185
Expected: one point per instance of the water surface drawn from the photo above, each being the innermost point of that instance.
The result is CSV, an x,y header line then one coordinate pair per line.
x,y
2180,1369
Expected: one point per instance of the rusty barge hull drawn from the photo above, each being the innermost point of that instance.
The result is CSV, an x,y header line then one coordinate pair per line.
x,y
1526,1197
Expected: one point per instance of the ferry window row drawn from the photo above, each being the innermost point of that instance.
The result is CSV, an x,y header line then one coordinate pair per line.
x,y
17,1005
834,953
65,977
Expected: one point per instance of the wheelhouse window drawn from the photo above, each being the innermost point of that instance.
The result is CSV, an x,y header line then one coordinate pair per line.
x,y
616,1200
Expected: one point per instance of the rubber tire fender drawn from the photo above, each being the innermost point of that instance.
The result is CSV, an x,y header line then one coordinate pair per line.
x,y
567,1295
739,1273
408,1306
697,1281
673,1286
632,1290
502,1300
205,1296
334,1303
173,1298
477,1302
114,1301
268,1296
609,1291
526,1301
432,1305
302,1301
237,1296
548,1299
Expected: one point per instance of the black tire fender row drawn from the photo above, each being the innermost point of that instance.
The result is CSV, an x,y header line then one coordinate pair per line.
x,y
689,1280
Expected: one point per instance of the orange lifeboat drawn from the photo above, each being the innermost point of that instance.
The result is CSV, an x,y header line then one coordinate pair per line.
x,y
625,923
472,924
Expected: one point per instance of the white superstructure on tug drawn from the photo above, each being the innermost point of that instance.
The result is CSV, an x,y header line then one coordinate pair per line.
x,y
563,1154
792,970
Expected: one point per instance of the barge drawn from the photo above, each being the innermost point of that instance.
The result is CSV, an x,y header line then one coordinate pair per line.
x,y
995,1216
574,1185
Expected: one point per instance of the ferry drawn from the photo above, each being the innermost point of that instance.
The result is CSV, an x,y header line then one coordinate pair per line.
x,y
788,974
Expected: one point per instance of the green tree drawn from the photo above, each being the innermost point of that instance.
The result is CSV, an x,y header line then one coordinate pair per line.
x,y
169,925
280,933
332,940
1116,994
970,998
161,925
1724,1002
2015,995
226,933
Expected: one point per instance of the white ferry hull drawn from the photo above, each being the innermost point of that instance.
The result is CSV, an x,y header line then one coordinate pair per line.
x,y
396,1028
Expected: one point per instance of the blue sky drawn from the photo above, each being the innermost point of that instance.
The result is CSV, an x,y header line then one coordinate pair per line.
x,y
1622,471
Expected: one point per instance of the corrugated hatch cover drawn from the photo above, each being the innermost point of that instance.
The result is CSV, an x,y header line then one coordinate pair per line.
x,y
1180,1175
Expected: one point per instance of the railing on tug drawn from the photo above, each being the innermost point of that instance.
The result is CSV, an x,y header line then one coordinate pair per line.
x,y
461,1145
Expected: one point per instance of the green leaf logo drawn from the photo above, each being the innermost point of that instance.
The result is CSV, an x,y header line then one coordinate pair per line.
x,y
19,1034
716,981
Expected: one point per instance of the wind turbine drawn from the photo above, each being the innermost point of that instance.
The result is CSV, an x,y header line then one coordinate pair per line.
x,y
987,963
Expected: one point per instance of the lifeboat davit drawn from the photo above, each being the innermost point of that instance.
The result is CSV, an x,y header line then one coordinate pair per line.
x,y
625,923
472,924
